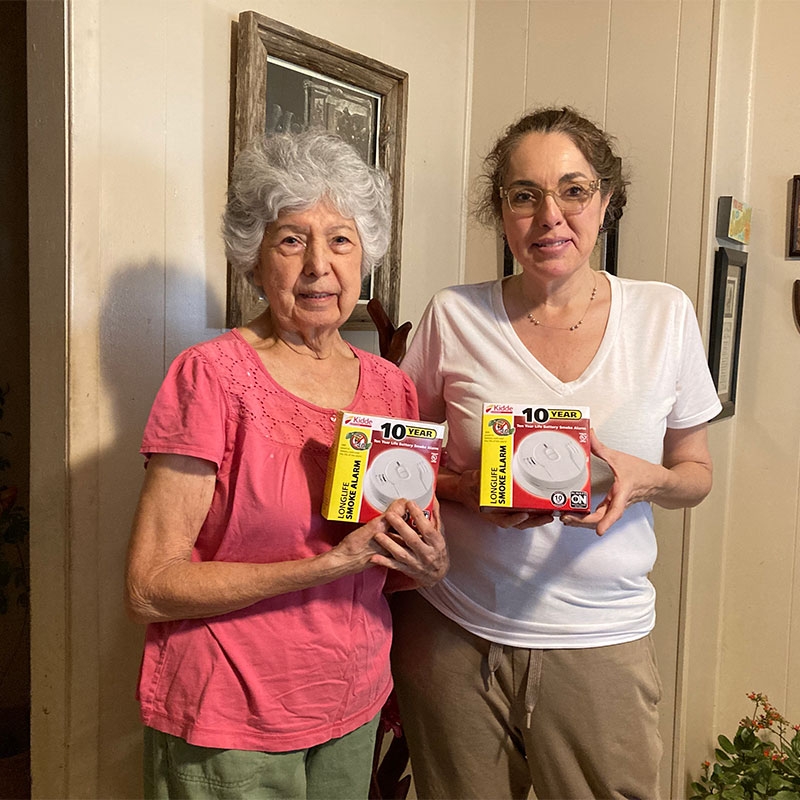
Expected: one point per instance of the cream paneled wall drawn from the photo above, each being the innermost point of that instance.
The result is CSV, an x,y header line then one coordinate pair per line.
x,y
743,629
129,142
760,637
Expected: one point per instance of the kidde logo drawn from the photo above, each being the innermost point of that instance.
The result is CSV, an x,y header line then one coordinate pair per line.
x,y
500,409
358,440
501,427
364,421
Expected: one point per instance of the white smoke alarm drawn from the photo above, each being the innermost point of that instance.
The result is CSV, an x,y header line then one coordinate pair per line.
x,y
398,472
548,461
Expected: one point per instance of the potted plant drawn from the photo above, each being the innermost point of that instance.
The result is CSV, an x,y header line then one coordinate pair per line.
x,y
762,760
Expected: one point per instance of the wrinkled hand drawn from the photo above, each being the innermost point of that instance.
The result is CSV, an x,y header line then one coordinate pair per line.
x,y
469,495
633,483
358,548
419,552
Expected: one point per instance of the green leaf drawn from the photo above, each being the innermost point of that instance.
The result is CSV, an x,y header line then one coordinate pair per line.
x,y
726,744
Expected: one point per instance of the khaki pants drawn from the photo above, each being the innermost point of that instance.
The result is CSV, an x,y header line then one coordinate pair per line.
x,y
570,723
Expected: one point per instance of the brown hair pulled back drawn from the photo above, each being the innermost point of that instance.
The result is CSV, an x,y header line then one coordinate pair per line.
x,y
595,145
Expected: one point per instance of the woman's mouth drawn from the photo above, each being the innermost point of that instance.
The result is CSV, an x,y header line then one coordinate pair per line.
x,y
551,243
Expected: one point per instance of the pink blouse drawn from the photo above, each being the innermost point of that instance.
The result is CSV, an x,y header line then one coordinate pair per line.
x,y
292,671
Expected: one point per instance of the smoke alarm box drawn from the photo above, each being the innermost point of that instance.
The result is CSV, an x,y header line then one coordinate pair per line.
x,y
375,460
535,458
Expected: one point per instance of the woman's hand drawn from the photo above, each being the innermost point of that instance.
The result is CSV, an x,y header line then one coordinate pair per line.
x,y
356,551
464,488
681,481
413,545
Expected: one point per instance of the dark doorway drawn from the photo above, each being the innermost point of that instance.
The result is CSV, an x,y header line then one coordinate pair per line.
x,y
14,407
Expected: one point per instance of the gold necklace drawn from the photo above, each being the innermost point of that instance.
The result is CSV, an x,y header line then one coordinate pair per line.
x,y
578,323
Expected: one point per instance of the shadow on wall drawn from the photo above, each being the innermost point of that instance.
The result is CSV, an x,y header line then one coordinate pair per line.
x,y
138,342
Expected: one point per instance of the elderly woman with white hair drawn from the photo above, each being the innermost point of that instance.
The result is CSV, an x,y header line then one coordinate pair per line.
x,y
266,660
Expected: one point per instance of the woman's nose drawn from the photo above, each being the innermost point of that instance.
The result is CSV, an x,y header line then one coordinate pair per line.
x,y
315,261
549,212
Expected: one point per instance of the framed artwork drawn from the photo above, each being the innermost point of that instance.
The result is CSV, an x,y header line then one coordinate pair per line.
x,y
794,219
796,303
288,80
727,302
733,220
609,243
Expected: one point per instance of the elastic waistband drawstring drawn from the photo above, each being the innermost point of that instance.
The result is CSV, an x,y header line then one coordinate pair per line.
x,y
494,659
532,679
532,684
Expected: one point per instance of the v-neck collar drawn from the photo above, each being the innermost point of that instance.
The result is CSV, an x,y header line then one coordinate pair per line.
x,y
544,374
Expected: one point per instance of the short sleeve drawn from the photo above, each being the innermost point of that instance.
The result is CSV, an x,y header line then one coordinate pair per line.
x,y
189,413
422,363
409,394
696,396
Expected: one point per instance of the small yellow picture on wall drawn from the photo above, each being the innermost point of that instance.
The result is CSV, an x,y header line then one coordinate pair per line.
x,y
733,220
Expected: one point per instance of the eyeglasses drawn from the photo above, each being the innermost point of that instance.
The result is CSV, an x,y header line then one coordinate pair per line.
x,y
570,196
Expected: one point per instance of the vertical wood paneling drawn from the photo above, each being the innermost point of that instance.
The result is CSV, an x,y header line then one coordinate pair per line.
x,y
194,256
641,110
498,98
687,222
684,267
84,418
47,188
761,648
704,539
117,358
568,55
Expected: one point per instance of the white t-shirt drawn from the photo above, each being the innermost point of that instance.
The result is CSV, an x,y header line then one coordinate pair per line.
x,y
555,586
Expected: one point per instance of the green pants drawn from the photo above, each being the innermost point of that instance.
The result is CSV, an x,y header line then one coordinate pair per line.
x,y
336,770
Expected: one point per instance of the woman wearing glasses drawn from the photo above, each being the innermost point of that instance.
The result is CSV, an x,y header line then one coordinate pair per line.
x,y
531,664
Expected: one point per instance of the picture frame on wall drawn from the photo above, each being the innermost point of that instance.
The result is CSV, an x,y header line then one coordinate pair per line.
x,y
727,304
287,80
609,244
733,220
794,219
